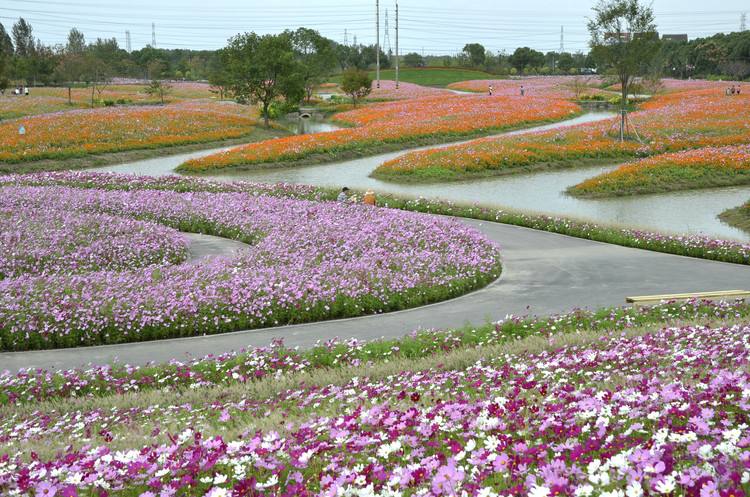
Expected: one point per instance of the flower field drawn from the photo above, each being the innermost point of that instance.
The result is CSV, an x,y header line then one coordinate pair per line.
x,y
669,123
688,245
43,242
441,117
699,168
539,86
308,261
82,132
18,106
388,91
646,411
45,100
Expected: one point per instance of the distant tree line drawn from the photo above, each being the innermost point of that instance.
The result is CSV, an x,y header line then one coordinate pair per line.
x,y
25,60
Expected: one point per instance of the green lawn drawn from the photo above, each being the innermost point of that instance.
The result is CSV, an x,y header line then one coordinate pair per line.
x,y
429,76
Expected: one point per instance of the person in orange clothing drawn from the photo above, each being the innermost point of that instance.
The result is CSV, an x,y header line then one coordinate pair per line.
x,y
369,198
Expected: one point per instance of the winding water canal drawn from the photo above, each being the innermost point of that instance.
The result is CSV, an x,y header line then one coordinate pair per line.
x,y
680,212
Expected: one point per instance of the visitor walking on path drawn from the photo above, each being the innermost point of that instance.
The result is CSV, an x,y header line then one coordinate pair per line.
x,y
343,195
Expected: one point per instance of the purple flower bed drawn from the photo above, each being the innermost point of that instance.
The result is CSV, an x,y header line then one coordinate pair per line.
x,y
659,414
309,261
42,242
114,181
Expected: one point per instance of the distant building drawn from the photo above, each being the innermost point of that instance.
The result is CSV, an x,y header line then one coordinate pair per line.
x,y
682,37
625,37
614,36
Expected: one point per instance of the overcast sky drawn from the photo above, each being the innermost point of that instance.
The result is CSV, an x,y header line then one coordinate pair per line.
x,y
429,26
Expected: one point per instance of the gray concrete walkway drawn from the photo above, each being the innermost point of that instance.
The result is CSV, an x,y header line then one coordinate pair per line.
x,y
202,246
543,273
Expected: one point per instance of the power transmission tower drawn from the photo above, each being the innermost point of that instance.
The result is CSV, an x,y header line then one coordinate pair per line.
x,y
153,35
127,41
386,36
397,44
346,38
562,40
743,21
377,42
355,40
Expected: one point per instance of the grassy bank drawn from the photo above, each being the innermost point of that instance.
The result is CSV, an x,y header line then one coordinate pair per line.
x,y
739,217
672,179
441,175
708,167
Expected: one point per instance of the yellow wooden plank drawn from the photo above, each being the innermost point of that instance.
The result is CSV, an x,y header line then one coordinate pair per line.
x,y
683,296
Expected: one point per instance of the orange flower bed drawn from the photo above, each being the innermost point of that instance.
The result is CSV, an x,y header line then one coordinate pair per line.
x,y
670,123
444,116
78,133
700,168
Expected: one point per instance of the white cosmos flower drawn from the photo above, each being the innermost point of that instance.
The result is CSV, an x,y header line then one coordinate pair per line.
x,y
634,490
539,491
486,492
666,486
584,491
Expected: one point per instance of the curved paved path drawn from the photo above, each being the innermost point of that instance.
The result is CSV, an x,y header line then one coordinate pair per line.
x,y
543,273
202,246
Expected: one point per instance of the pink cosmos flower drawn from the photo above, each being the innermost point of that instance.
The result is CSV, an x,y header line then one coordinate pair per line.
x,y
45,489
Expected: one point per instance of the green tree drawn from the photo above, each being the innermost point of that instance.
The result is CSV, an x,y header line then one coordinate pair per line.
x,y
155,69
97,73
565,62
524,58
316,56
158,88
413,59
261,68
357,84
6,56
475,53
623,37
218,76
70,69
76,42
23,38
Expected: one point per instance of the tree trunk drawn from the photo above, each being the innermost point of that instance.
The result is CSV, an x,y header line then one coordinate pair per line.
x,y
92,95
265,114
70,102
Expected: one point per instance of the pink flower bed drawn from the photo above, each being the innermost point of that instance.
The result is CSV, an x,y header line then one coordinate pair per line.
x,y
659,414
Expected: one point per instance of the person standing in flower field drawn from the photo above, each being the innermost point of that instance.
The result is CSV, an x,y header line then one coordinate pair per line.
x,y
369,198
523,90
491,89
